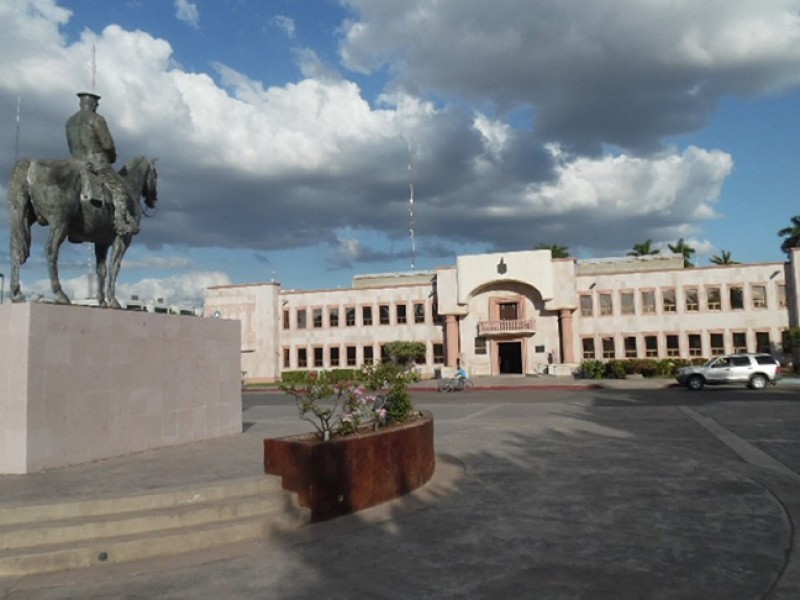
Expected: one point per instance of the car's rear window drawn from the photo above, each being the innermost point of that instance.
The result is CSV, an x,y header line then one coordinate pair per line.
x,y
740,361
765,360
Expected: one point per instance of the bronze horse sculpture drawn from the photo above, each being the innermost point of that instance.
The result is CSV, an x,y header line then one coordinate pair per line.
x,y
49,192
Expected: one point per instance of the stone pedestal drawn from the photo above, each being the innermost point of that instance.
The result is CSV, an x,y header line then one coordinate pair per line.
x,y
78,384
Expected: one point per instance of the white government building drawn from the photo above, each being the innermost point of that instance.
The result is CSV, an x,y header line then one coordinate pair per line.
x,y
518,313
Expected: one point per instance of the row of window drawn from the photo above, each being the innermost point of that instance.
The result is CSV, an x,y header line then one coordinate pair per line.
x,y
693,299
695,344
351,316
332,357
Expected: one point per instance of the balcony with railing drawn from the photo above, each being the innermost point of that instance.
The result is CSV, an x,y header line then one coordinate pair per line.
x,y
507,327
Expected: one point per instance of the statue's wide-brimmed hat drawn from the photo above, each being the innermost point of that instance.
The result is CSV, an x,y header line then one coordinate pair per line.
x,y
90,94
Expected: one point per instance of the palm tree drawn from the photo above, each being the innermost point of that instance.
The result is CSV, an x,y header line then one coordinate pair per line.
x,y
681,248
555,250
724,258
792,235
644,249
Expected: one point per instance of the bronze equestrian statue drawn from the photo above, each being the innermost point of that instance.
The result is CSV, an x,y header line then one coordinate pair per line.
x,y
83,200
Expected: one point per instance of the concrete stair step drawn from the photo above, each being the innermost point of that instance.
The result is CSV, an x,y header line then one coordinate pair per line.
x,y
95,527
58,536
181,496
61,557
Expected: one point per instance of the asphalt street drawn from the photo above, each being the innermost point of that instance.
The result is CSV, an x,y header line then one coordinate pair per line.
x,y
540,493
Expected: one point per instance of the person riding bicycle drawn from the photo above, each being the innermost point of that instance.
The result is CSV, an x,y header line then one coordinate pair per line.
x,y
461,376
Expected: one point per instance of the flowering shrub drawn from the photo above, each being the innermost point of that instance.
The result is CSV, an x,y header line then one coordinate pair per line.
x,y
376,396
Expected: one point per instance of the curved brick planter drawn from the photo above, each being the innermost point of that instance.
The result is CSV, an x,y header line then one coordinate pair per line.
x,y
351,473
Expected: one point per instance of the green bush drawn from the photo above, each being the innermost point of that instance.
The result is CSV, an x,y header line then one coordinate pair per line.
x,y
405,353
621,368
592,369
615,369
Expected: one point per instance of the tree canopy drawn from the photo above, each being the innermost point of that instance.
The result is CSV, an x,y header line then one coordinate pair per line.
x,y
791,235
644,249
723,258
556,250
680,247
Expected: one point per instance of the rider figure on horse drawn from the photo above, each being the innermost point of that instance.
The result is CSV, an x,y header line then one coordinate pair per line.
x,y
90,142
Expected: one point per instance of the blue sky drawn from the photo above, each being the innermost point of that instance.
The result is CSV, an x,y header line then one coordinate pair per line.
x,y
283,129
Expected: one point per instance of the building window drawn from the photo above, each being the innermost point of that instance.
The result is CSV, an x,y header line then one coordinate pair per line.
x,y
695,345
316,315
739,341
301,318
319,360
350,351
400,314
736,295
762,342
333,356
286,319
713,298
606,305
384,356
648,302
668,301
509,311
586,305
350,316
759,296
302,358
419,313
480,345
333,317
626,303
717,344
608,347
366,315
369,357
650,346
287,358
383,312
588,348
782,295
673,347
438,353
692,302
630,347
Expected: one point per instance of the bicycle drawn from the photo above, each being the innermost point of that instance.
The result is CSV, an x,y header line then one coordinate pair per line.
x,y
455,384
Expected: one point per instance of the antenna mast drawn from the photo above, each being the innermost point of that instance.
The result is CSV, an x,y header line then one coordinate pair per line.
x,y
411,222
16,140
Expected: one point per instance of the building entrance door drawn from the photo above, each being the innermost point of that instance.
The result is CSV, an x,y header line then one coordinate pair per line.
x,y
510,355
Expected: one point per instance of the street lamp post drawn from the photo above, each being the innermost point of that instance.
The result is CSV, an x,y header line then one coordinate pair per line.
x,y
2,287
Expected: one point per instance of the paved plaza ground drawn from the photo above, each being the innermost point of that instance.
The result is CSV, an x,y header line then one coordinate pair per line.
x,y
549,492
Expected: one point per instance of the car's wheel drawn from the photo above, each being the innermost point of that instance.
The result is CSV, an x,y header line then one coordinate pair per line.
x,y
695,382
758,382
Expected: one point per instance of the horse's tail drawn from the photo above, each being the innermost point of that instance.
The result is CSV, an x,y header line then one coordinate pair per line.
x,y
19,201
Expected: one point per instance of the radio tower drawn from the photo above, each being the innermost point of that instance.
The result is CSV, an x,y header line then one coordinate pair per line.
x,y
411,223
16,140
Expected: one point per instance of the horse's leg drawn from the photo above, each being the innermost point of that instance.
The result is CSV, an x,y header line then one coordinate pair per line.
x,y
100,255
58,233
121,243
21,218
20,250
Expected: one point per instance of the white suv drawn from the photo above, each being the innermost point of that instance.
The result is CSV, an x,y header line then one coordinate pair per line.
x,y
754,370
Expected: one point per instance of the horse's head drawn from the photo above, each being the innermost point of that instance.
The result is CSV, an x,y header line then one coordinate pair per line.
x,y
140,174
150,187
